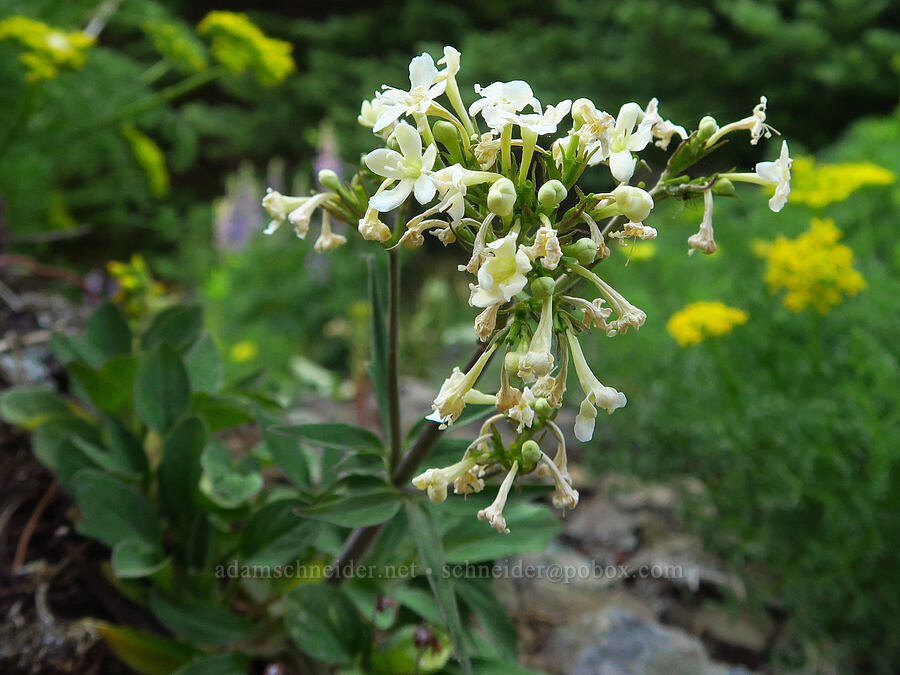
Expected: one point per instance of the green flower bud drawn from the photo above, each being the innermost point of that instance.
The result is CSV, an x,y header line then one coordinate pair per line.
x,y
723,187
531,453
551,194
445,133
584,250
542,287
707,127
511,363
502,197
542,407
329,179
634,203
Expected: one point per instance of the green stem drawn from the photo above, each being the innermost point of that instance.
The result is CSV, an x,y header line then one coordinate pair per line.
x,y
393,348
156,71
529,139
506,150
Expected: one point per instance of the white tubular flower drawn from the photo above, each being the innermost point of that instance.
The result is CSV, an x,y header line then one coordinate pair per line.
x,y
435,481
426,84
523,411
775,174
371,227
328,240
596,236
298,210
627,314
564,496
410,167
487,149
446,235
704,239
636,231
369,112
594,131
538,360
502,275
452,398
660,128
452,183
755,124
551,388
595,314
480,251
301,216
546,247
507,396
494,513
500,102
469,483
595,394
624,140
486,322
634,203
544,123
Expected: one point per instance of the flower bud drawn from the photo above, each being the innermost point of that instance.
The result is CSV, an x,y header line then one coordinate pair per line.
x,y
551,194
542,407
581,109
446,133
531,452
707,127
584,250
502,197
329,179
511,362
723,187
634,203
542,287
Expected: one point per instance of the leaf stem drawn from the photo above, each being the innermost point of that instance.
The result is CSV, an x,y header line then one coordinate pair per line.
x,y
393,347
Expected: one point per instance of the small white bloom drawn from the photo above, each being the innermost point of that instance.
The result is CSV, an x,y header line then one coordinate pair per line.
x,y
635,203
507,395
371,227
755,124
552,388
452,183
426,84
594,132
469,483
595,394
564,496
500,102
546,247
410,167
451,399
486,150
627,314
301,216
595,313
328,240
523,411
624,140
660,128
435,481
544,123
369,112
486,322
538,360
635,231
704,239
494,513
778,173
501,275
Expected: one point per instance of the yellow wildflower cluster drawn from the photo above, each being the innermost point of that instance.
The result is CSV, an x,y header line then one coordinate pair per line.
x,y
818,186
701,320
178,45
45,50
239,45
139,293
150,158
243,351
814,269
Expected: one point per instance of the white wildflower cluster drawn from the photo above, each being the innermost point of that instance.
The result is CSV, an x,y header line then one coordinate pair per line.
x,y
499,179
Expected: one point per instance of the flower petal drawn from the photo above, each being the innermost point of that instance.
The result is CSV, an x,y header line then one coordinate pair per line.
x,y
621,165
424,189
409,141
391,199
385,162
422,71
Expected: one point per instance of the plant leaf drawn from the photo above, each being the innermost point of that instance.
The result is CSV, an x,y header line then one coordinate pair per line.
x,y
133,559
286,451
113,511
333,435
204,624
162,388
479,598
107,332
276,535
179,326
204,366
146,653
180,470
221,664
323,622
222,483
367,502
30,407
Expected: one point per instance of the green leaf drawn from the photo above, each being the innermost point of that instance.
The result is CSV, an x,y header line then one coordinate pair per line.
x,y
203,624
220,413
147,654
124,445
222,664
133,559
377,367
180,470
431,552
102,458
179,326
68,348
532,528
336,436
420,601
367,502
323,622
113,511
276,535
162,388
479,598
286,451
204,366
224,485
30,407
107,331
109,387
46,439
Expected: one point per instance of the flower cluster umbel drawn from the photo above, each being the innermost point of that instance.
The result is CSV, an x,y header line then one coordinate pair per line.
x,y
499,178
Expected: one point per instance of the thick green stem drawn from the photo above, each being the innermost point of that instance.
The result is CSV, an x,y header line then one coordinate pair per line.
x,y
506,150
393,348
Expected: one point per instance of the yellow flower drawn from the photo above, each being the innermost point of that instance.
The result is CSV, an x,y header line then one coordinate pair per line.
x,y
813,269
243,351
45,50
178,45
818,186
240,45
701,320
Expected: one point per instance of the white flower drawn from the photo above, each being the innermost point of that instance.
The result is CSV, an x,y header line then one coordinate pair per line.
x,y
755,124
636,231
371,227
593,132
551,388
369,112
544,123
486,150
469,482
595,394
507,395
486,322
426,84
546,247
301,216
634,202
777,173
328,240
298,210
435,481
704,239
452,182
624,140
564,496
410,167
627,314
500,102
660,128
502,274
451,399
494,513
538,360
523,411
595,313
